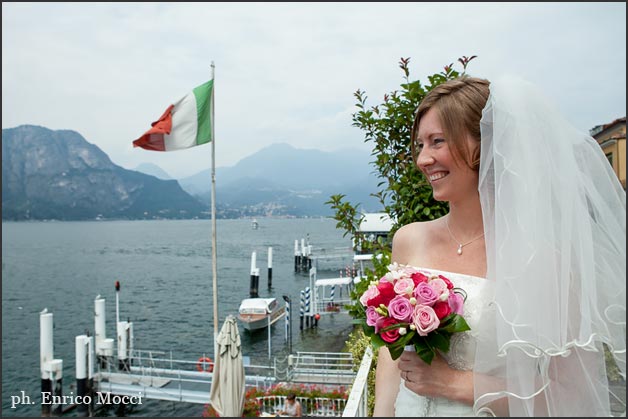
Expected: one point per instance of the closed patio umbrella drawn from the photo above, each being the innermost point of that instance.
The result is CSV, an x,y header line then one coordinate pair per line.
x,y
228,381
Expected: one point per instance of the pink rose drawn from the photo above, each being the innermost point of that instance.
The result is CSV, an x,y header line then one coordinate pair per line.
x,y
371,292
400,308
372,316
425,294
425,319
442,309
456,303
390,335
404,286
440,288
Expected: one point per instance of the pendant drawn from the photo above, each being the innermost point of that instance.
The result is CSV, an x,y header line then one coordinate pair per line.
x,y
459,249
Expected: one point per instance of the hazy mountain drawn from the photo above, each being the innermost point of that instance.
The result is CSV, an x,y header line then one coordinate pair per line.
x,y
50,174
282,179
153,170
283,164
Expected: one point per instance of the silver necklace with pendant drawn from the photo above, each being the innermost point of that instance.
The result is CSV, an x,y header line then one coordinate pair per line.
x,y
460,245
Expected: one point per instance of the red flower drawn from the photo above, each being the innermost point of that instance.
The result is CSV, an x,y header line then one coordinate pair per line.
x,y
447,281
418,277
386,293
389,335
442,309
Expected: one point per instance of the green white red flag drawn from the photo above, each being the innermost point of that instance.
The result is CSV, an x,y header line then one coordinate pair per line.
x,y
186,123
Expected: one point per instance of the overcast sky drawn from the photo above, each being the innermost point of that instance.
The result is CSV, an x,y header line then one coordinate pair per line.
x,y
286,72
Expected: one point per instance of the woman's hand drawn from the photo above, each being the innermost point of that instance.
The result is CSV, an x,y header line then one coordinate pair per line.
x,y
437,379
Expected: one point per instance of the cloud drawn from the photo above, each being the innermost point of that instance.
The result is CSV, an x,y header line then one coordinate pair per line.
x,y
287,71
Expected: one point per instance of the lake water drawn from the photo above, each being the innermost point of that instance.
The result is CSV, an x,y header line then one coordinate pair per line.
x,y
164,268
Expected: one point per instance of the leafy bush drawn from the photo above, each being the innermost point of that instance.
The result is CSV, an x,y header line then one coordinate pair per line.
x,y
357,344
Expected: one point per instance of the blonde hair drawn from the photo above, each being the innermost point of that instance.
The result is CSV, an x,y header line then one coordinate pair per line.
x,y
458,104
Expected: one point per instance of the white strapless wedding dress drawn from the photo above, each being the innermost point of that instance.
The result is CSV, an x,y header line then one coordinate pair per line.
x,y
461,353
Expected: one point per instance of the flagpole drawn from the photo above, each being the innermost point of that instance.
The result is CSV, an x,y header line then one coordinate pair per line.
x,y
213,213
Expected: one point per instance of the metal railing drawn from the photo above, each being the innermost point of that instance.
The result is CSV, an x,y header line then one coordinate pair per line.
x,y
357,403
310,406
161,377
330,364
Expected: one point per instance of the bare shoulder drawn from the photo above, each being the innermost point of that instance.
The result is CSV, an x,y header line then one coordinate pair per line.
x,y
413,239
409,232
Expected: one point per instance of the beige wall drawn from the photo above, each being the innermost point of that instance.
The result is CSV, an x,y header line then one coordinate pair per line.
x,y
612,139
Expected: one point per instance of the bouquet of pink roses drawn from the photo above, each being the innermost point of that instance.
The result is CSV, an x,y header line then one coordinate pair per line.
x,y
410,307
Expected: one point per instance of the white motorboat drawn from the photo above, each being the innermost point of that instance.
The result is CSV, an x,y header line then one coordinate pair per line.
x,y
258,313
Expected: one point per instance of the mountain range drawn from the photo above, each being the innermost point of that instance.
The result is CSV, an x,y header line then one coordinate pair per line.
x,y
58,175
50,174
283,180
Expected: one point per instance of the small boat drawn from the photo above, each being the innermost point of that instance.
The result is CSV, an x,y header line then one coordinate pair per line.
x,y
258,313
254,224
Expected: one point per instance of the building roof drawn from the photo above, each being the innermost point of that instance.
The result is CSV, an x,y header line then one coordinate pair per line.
x,y
333,281
598,129
376,222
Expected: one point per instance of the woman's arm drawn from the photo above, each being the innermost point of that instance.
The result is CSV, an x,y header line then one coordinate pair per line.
x,y
387,378
437,379
387,382
298,413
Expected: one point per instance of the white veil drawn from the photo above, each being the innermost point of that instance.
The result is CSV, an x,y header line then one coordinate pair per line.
x,y
555,220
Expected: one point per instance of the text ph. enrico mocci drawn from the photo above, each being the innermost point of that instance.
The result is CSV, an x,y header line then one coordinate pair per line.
x,y
100,398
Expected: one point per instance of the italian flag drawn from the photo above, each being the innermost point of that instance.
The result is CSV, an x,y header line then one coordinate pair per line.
x,y
186,123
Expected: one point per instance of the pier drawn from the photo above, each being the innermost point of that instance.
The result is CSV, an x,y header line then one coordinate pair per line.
x,y
177,381
113,371
108,375
157,376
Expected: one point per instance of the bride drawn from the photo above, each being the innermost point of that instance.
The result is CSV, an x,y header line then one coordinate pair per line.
x,y
536,237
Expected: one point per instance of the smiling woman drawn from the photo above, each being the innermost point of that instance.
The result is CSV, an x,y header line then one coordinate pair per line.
x,y
519,221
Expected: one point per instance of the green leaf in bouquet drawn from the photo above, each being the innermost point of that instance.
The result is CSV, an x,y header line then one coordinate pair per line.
x,y
395,351
396,348
439,340
454,323
424,350
368,330
377,341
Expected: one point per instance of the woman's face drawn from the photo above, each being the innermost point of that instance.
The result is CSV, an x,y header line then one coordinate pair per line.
x,y
451,181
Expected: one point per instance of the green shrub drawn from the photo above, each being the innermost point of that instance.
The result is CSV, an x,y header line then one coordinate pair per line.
x,y
357,344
